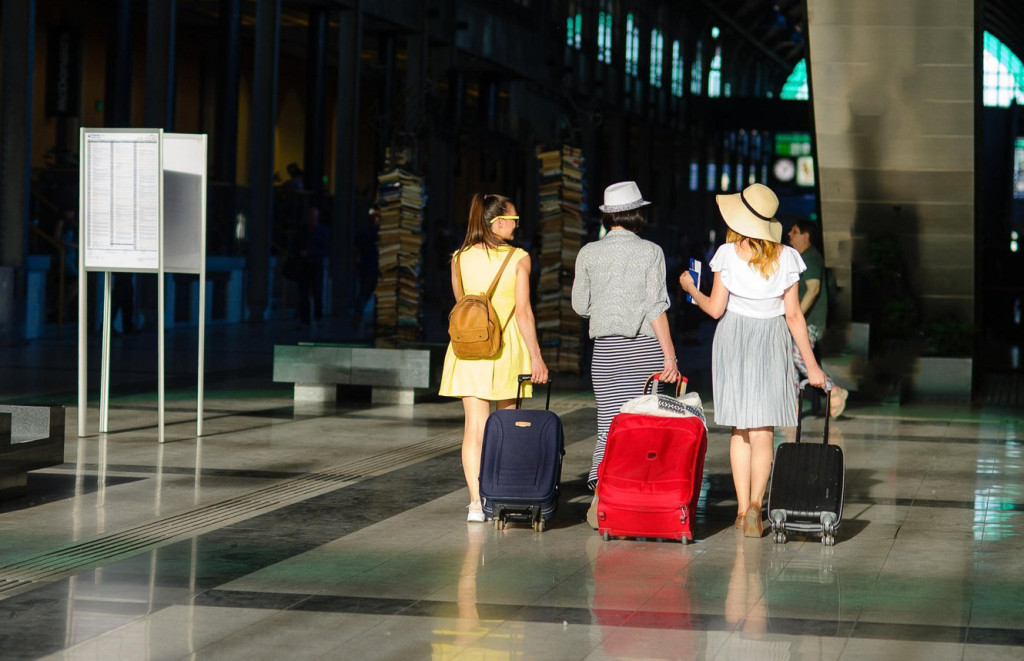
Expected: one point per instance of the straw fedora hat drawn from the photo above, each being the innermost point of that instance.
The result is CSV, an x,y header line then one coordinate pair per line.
x,y
623,196
752,213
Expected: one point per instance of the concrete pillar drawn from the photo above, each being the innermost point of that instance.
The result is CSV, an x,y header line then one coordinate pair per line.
x,y
225,139
316,82
18,62
264,119
893,89
350,32
160,57
118,103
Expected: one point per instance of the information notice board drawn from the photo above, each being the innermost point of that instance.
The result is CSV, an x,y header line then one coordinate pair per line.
x,y
184,167
122,199
143,209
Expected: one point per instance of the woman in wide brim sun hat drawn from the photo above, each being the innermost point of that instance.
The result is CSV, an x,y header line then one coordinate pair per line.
x,y
755,295
751,213
620,287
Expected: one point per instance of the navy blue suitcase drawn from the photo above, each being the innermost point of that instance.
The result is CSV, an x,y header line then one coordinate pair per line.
x,y
807,486
521,464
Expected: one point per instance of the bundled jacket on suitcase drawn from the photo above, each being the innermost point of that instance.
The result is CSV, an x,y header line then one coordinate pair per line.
x,y
807,486
521,464
649,481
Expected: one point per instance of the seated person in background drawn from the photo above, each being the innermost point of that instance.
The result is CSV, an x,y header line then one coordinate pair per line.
x,y
813,296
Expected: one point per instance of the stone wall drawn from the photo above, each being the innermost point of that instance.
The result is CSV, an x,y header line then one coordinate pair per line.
x,y
892,85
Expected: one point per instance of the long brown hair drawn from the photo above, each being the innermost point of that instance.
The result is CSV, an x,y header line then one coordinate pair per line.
x,y
765,257
481,212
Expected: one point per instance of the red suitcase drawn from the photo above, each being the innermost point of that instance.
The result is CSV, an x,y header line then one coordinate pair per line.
x,y
649,481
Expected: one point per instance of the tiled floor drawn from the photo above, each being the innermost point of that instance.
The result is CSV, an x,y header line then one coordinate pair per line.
x,y
284,534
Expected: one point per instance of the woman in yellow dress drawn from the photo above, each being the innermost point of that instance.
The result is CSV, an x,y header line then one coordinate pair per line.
x,y
480,381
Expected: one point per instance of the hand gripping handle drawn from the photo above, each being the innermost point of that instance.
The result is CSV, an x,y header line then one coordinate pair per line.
x,y
800,405
523,378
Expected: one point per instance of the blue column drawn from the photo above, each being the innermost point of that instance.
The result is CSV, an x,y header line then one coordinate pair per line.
x,y
19,28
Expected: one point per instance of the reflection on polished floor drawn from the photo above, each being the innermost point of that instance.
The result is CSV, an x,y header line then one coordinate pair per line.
x,y
341,533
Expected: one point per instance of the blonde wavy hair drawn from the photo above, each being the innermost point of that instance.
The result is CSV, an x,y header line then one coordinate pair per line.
x,y
765,257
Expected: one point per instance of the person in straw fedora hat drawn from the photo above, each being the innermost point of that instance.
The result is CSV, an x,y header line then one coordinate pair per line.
x,y
620,287
755,295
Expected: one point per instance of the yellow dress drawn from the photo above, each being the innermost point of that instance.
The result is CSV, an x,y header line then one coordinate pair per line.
x,y
490,378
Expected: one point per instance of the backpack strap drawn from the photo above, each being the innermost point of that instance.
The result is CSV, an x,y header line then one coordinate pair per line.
x,y
494,283
458,269
460,291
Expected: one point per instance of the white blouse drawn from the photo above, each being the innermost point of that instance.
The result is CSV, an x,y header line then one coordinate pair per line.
x,y
750,293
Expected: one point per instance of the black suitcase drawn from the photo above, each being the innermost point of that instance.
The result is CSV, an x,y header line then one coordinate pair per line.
x,y
521,464
807,486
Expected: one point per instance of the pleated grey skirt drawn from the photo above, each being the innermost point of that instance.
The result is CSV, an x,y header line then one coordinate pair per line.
x,y
754,380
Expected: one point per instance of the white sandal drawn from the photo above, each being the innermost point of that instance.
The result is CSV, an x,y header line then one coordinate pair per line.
x,y
476,512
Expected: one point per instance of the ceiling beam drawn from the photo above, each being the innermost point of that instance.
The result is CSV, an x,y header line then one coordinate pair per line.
x,y
712,6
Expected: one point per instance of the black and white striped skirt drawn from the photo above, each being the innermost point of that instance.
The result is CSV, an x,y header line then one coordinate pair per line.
x,y
753,373
619,369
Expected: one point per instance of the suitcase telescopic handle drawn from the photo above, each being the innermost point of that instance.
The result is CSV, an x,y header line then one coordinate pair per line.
x,y
657,377
800,407
523,378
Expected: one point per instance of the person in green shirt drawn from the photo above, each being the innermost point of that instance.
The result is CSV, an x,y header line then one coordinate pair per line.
x,y
813,296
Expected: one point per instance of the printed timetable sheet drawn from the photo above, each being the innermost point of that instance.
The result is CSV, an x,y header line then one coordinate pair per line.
x,y
121,195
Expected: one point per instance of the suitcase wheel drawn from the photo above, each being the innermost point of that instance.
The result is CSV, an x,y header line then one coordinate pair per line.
x,y
778,522
499,523
538,525
605,536
828,529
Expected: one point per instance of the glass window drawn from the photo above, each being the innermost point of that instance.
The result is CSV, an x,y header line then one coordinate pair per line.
x,y
1003,76
697,70
1018,169
677,68
632,46
604,32
795,87
574,26
715,74
657,56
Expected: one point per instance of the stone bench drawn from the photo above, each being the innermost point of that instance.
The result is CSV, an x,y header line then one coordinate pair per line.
x,y
317,370
31,437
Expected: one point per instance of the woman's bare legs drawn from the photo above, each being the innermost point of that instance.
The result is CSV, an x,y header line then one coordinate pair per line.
x,y
476,410
761,456
750,453
739,458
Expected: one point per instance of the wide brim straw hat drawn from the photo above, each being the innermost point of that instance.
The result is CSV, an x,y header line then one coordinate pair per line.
x,y
752,213
623,196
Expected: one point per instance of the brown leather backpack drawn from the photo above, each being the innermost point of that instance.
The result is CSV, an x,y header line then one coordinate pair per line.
x,y
473,323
